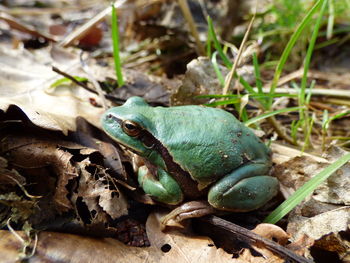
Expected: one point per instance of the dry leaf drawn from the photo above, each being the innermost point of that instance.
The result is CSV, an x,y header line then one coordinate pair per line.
x,y
58,247
94,191
336,189
62,173
325,229
271,232
25,80
320,225
322,216
293,173
181,247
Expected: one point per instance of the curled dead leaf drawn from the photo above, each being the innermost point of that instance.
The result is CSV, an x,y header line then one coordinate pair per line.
x,y
272,232
67,176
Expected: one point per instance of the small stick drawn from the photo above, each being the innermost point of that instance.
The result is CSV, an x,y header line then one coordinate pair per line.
x,y
235,64
83,85
188,16
70,77
253,238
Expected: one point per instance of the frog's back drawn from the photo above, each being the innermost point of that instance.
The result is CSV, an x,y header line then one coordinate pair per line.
x,y
206,142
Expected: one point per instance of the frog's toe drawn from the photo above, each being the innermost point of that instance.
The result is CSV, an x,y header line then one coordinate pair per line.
x,y
185,211
246,195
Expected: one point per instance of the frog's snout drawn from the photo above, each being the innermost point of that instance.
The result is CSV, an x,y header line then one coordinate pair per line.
x,y
108,117
105,117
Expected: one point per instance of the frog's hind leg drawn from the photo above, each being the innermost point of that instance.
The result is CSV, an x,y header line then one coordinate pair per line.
x,y
245,189
162,187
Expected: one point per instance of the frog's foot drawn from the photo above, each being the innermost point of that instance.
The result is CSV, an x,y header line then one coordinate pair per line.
x,y
246,195
186,211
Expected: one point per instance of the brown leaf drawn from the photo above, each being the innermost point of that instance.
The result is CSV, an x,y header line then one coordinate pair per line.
x,y
94,192
271,232
62,173
58,247
320,225
336,189
9,177
36,157
180,247
301,246
26,78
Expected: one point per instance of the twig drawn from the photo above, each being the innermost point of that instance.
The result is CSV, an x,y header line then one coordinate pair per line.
x,y
83,85
334,78
278,128
15,24
252,238
82,30
70,77
235,64
335,93
188,16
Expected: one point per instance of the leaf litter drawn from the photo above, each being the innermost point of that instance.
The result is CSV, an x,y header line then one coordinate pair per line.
x,y
52,182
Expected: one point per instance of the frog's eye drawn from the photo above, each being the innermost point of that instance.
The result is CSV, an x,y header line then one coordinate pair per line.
x,y
131,128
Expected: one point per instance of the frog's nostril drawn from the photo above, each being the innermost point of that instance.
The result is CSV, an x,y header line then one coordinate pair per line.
x,y
109,116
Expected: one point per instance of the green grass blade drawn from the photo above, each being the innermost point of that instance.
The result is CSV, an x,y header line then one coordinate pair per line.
x,y
294,129
325,120
308,132
309,52
217,44
258,81
257,74
115,38
289,47
209,41
67,81
330,24
309,92
269,114
305,190
254,96
223,102
326,43
340,115
215,96
217,69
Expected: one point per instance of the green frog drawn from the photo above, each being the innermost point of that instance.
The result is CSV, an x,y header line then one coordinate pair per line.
x,y
192,153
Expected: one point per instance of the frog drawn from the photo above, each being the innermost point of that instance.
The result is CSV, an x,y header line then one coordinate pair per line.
x,y
193,153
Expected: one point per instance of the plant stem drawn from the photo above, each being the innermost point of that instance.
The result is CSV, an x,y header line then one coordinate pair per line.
x,y
115,37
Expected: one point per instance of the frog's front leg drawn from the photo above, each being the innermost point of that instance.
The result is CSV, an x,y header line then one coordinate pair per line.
x,y
160,186
245,189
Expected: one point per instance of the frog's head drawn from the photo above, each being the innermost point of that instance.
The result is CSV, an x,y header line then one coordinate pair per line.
x,y
127,124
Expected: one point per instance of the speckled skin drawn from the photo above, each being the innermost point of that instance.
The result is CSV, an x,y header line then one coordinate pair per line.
x,y
210,145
